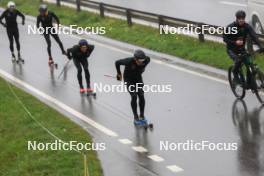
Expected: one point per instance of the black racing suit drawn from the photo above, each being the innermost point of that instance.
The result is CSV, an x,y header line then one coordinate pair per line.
x,y
46,22
80,60
11,27
234,50
133,78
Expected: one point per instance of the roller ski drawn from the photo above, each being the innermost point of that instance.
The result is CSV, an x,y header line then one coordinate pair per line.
x,y
90,92
142,122
13,58
52,63
20,60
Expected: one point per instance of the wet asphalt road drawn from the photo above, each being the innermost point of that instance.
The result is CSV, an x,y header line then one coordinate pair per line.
x,y
215,12
198,109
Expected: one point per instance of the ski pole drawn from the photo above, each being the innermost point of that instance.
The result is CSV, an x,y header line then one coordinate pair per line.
x,y
110,76
64,68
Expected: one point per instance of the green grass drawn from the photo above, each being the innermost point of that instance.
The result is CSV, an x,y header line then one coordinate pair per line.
x,y
209,53
16,128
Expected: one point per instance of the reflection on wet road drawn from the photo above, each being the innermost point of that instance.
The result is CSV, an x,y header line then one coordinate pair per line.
x,y
197,109
250,126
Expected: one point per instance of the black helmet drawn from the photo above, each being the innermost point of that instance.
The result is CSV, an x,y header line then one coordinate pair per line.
x,y
240,14
43,8
83,42
139,54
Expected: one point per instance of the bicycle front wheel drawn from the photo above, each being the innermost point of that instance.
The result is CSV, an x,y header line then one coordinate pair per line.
x,y
237,86
259,78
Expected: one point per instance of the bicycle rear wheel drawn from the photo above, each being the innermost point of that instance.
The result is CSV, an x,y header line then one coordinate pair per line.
x,y
237,86
259,78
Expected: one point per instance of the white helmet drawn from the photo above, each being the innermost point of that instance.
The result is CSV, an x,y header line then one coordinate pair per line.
x,y
11,4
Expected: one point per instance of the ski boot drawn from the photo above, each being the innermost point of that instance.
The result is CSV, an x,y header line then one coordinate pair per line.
x,y
90,92
52,63
82,90
142,122
20,60
13,58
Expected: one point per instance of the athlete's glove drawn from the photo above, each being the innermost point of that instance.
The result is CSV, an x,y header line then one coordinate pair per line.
x,y
119,77
69,57
23,22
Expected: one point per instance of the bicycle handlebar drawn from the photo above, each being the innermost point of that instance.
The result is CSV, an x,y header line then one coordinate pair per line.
x,y
261,50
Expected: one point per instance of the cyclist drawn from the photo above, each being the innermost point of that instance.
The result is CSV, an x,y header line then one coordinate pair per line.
x,y
45,18
80,53
134,67
10,15
235,43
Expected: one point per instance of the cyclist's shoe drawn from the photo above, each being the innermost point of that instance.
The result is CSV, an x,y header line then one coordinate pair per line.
x,y
82,90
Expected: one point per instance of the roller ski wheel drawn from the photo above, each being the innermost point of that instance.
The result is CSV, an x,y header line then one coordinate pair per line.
x,y
20,60
143,123
90,92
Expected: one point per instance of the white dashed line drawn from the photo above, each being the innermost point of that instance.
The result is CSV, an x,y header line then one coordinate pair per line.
x,y
156,158
174,168
139,149
233,3
125,141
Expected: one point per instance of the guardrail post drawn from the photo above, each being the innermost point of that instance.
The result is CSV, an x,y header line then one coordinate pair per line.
x,y
101,7
58,2
129,18
200,35
160,20
78,4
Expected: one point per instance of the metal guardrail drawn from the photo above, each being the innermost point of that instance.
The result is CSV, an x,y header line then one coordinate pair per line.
x,y
131,14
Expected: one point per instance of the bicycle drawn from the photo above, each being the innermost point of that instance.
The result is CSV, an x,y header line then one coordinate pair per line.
x,y
249,77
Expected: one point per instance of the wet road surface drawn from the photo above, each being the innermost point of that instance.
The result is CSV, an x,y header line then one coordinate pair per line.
x,y
197,109
215,12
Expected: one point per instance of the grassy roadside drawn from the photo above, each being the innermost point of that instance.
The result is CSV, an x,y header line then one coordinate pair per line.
x,y
209,53
16,128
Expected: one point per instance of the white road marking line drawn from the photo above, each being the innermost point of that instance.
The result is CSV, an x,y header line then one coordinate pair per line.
x,y
174,168
156,158
232,3
139,149
125,141
59,104
192,72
